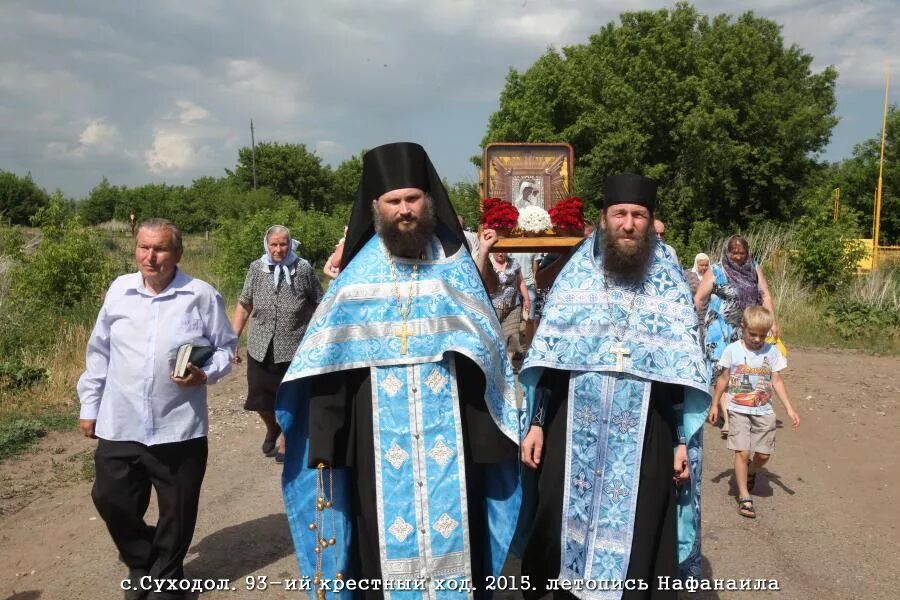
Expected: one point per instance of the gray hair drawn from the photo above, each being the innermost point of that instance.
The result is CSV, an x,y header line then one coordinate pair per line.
x,y
278,230
156,224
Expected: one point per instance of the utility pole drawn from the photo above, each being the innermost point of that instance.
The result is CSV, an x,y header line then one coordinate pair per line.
x,y
253,153
837,203
877,216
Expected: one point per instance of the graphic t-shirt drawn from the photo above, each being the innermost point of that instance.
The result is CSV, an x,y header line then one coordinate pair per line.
x,y
750,377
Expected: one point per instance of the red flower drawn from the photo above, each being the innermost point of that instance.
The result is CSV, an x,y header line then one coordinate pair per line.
x,y
498,213
567,214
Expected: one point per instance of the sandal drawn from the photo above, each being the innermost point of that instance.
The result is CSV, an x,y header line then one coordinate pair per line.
x,y
724,432
745,507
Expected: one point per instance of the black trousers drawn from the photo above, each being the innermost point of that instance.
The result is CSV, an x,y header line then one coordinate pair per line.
x,y
121,493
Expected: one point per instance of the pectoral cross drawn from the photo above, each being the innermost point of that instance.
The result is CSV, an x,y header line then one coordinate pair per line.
x,y
403,333
621,352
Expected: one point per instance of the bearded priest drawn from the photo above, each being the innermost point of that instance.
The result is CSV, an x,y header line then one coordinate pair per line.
x,y
399,407
617,392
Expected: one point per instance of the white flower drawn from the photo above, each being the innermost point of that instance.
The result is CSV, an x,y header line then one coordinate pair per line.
x,y
534,219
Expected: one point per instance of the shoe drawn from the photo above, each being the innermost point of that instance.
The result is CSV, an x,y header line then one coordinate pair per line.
x,y
745,507
279,458
268,447
136,593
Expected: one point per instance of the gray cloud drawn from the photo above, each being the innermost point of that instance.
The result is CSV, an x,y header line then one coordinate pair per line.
x,y
144,92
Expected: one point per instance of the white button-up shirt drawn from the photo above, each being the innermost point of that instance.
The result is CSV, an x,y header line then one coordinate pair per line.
x,y
131,354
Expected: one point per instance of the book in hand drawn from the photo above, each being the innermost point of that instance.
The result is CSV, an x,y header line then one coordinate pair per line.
x,y
189,353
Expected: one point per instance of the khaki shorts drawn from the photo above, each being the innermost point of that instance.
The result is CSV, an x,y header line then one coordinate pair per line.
x,y
754,433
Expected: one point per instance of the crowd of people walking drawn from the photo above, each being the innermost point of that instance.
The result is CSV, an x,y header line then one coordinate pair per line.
x,y
444,404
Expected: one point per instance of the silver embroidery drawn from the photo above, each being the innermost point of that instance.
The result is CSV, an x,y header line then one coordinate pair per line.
x,y
391,385
436,381
441,452
400,529
445,525
396,456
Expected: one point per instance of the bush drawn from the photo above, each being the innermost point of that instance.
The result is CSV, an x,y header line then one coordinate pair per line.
x,y
826,252
17,435
16,375
66,269
853,318
12,242
18,431
64,278
702,236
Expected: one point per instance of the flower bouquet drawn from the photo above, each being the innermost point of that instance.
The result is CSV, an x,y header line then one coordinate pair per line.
x,y
567,217
534,220
499,215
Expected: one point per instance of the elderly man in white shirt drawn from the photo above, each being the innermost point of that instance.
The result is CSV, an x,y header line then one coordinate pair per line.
x,y
151,425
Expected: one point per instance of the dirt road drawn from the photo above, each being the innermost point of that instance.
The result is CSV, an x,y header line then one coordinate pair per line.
x,y
827,525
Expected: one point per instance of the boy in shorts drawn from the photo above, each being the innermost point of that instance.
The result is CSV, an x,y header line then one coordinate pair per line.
x,y
750,373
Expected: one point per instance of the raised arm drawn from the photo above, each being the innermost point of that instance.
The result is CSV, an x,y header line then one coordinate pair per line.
x,y
767,301
701,296
486,240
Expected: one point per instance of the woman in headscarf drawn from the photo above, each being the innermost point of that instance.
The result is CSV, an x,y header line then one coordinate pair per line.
x,y
508,298
730,286
281,292
694,275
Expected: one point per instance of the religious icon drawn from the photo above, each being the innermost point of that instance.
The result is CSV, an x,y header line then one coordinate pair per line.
x,y
528,174
530,192
527,197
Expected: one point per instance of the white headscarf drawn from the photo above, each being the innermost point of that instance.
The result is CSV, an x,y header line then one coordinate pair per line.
x,y
697,259
284,266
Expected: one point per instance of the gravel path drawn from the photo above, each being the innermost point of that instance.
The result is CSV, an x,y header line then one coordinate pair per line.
x,y
827,525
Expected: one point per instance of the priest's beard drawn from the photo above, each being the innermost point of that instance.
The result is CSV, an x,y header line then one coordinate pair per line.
x,y
628,264
412,242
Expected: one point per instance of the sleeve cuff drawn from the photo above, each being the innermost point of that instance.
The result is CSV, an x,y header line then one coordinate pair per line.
x,y
89,411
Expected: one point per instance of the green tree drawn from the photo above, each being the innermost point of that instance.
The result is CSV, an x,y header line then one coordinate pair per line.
x,y
100,205
465,197
289,170
717,109
234,202
857,177
345,180
20,198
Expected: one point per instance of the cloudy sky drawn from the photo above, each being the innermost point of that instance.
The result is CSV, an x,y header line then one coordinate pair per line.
x,y
163,91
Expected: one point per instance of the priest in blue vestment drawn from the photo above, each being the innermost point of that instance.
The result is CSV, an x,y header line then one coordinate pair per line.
x,y
399,409
617,393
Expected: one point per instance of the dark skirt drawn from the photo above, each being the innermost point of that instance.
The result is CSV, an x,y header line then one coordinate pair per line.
x,y
263,379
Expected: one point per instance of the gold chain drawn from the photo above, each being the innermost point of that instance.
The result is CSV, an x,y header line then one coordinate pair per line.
x,y
404,312
404,332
